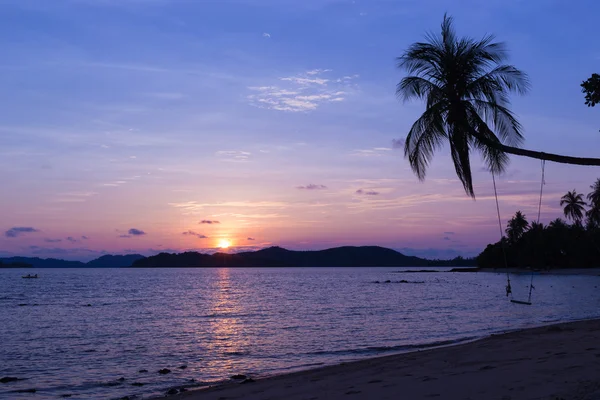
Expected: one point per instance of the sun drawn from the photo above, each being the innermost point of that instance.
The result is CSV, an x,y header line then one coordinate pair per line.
x,y
224,243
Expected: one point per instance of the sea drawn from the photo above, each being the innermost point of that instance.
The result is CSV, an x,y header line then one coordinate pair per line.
x,y
105,333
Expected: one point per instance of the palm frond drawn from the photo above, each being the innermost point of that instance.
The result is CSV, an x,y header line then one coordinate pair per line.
x,y
503,121
425,137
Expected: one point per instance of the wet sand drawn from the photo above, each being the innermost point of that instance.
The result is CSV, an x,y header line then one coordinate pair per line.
x,y
558,362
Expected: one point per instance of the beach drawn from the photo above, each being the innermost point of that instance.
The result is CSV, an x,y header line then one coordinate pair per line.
x,y
553,362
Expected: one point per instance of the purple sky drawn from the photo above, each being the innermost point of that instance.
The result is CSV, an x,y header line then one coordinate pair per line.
x,y
128,123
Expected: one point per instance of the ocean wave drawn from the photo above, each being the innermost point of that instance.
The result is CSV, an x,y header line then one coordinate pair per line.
x,y
389,349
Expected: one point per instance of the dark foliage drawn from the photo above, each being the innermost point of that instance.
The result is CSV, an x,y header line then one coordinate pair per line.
x,y
558,245
591,89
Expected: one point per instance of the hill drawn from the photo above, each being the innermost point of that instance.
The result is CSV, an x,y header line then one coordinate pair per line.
x,y
37,262
106,261
110,261
348,256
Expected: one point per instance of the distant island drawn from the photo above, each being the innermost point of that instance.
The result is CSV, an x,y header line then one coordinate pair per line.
x,y
348,256
106,261
14,265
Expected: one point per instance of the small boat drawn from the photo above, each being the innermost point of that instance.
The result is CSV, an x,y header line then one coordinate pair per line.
x,y
29,276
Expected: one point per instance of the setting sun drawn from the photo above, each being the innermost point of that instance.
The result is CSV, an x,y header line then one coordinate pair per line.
x,y
224,243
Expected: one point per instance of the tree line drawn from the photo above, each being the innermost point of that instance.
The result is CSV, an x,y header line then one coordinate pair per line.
x,y
560,244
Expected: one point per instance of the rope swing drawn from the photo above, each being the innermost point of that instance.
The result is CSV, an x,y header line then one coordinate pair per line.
x,y
508,286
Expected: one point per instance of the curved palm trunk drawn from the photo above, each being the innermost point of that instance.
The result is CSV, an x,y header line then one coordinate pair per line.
x,y
538,154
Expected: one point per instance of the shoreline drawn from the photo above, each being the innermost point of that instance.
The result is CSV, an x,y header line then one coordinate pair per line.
x,y
516,364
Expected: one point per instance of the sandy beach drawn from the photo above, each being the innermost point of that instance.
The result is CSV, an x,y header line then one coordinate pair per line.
x,y
558,362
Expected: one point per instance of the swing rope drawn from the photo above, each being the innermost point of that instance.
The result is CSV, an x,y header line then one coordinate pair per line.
x,y
508,286
538,218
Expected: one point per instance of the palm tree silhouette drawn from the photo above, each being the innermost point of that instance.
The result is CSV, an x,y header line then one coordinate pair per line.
x,y
516,227
593,214
574,206
465,86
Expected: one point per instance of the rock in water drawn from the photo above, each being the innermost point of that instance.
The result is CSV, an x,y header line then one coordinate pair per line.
x,y
172,391
239,376
164,371
249,380
141,371
7,379
182,367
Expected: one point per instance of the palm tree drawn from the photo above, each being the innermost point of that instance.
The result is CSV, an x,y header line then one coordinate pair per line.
x,y
593,214
516,227
465,86
574,206
557,224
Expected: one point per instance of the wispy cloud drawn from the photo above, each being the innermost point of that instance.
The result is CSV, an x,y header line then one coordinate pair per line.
x,y
233,155
301,93
373,152
250,239
136,232
19,230
367,192
209,222
311,186
192,233
266,35
52,240
72,239
75,197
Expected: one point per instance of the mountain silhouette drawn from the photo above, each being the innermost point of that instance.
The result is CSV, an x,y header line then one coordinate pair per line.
x,y
106,261
110,261
347,256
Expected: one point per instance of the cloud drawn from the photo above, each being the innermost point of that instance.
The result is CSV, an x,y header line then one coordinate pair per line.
x,y
72,239
398,143
266,35
446,238
449,233
312,186
367,193
124,236
85,237
18,230
233,155
136,232
52,240
192,233
209,222
300,93
373,152
250,239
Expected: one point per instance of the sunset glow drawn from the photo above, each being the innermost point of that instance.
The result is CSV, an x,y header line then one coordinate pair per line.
x,y
224,243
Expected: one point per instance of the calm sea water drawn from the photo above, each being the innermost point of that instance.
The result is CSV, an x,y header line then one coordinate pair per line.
x,y
77,331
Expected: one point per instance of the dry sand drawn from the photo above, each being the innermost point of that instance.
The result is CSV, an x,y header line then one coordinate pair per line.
x,y
559,362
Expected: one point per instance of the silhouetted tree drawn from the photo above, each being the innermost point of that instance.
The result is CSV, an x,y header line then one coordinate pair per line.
x,y
591,89
516,227
593,214
574,206
465,87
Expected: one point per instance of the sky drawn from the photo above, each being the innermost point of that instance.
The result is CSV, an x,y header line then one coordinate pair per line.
x,y
172,125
